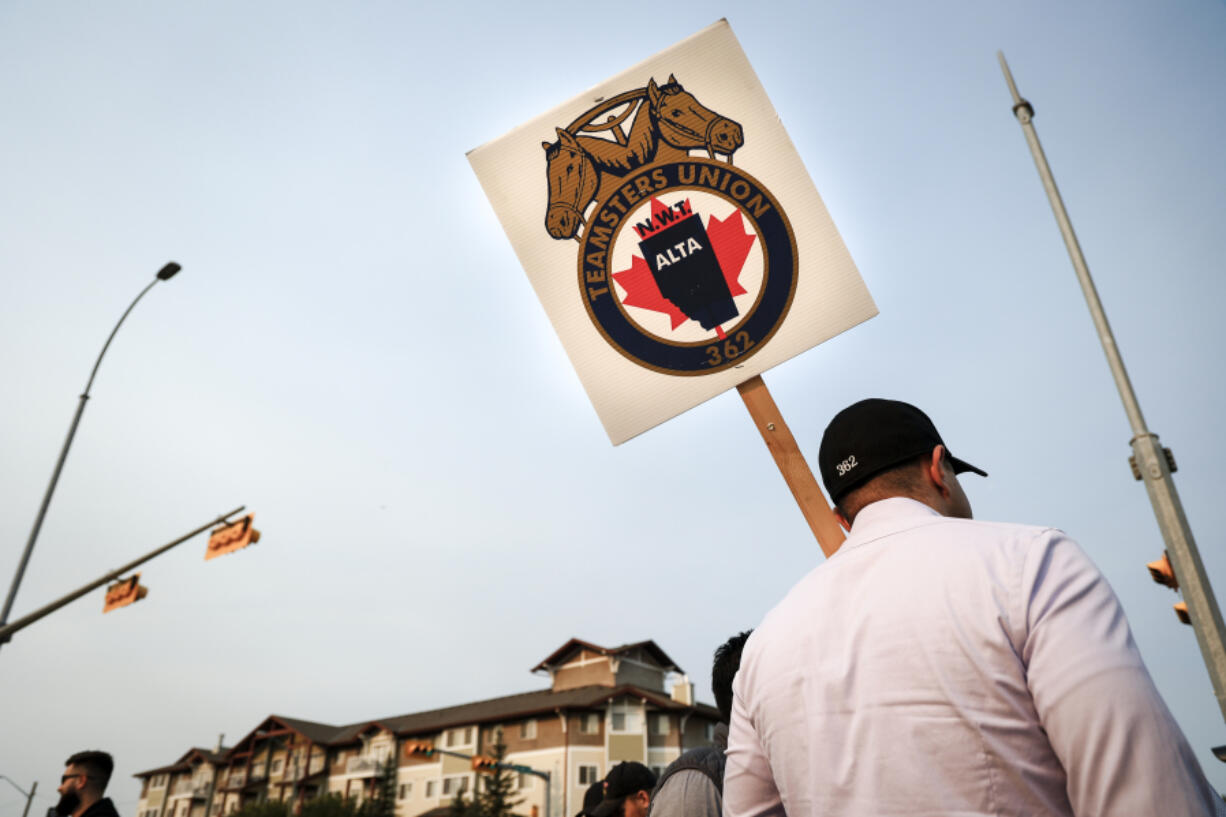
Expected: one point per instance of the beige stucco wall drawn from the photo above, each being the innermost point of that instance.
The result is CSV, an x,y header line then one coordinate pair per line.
x,y
626,747
595,674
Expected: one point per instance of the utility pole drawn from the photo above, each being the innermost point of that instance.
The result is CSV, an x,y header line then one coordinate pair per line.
x,y
164,274
28,795
7,630
1152,463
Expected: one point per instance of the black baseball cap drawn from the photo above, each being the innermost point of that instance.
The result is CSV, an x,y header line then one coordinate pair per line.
x,y
623,780
592,798
872,436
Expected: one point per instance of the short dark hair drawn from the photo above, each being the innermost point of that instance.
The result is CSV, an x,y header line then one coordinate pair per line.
x,y
96,764
723,670
903,479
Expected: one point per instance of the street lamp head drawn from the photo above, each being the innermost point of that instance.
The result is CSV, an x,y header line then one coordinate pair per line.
x,y
167,272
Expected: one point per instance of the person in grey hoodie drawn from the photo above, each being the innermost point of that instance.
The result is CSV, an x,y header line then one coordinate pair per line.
x,y
693,784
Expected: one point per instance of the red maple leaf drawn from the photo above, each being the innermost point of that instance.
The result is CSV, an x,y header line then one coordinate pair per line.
x,y
731,245
642,291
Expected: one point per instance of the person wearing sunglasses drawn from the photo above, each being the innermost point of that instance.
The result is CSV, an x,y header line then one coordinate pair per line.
x,y
82,784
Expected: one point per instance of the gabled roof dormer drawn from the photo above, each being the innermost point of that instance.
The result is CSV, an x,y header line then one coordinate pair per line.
x,y
579,663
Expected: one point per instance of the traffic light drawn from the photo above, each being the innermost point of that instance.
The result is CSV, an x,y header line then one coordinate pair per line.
x,y
232,537
484,764
418,749
1163,573
124,592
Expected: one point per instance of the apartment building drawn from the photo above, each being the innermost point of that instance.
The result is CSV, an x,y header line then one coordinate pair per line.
x,y
603,705
184,788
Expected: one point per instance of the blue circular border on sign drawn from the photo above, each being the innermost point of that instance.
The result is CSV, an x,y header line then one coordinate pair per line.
x,y
701,357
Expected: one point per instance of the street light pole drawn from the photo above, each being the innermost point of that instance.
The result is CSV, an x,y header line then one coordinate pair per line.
x,y
1153,463
164,274
29,795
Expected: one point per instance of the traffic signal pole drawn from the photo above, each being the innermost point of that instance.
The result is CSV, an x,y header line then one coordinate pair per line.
x,y
6,632
1152,461
29,795
515,767
164,274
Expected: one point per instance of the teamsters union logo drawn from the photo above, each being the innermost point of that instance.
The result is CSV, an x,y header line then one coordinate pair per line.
x,y
687,264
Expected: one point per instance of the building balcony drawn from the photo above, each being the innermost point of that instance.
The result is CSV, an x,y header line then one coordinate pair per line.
x,y
365,766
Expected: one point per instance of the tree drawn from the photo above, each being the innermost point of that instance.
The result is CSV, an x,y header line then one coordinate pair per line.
x,y
383,804
330,805
267,808
494,798
461,807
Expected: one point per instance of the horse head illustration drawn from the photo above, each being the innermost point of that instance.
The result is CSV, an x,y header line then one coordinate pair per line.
x,y
573,180
685,123
585,164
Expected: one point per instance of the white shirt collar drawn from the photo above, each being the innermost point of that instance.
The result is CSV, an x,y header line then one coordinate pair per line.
x,y
888,516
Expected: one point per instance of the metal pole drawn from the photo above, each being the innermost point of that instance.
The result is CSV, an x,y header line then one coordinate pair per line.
x,y
30,799
29,796
1153,461
6,632
165,273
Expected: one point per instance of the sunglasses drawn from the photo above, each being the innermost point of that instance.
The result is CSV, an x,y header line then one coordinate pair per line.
x,y
68,777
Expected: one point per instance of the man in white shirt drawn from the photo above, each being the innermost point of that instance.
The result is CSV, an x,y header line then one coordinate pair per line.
x,y
936,665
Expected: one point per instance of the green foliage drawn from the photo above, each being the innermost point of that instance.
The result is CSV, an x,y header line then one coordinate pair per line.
x,y
493,797
383,804
331,805
267,808
461,807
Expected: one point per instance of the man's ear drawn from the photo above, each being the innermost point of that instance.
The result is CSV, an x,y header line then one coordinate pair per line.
x,y
934,469
842,520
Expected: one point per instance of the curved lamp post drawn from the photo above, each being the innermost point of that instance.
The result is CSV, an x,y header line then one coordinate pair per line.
x,y
164,274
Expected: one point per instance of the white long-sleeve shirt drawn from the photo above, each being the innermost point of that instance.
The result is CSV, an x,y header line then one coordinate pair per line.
x,y
937,666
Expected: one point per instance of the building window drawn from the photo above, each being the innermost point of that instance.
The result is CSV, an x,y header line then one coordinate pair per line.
x,y
456,785
276,766
523,782
624,717
459,737
659,724
657,771
429,789
589,723
588,774
527,729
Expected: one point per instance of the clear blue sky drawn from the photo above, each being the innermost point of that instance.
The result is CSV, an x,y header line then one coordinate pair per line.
x,y
353,351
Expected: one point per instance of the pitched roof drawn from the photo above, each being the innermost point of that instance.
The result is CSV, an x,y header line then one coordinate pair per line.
x,y
312,731
209,754
183,764
174,767
526,704
653,649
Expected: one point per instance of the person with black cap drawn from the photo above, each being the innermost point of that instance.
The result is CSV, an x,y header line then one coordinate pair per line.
x,y
627,791
591,799
939,665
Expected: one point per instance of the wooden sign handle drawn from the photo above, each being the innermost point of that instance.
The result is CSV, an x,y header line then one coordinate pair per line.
x,y
792,464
